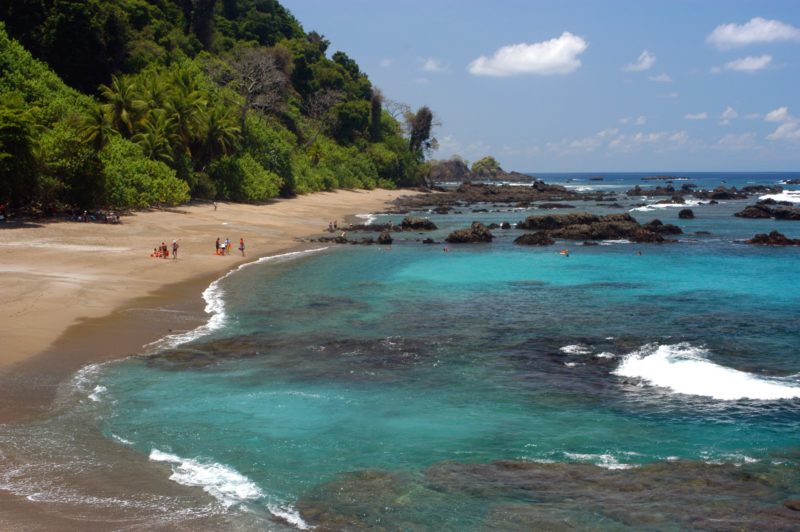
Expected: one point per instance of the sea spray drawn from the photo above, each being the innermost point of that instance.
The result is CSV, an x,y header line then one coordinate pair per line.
x,y
685,369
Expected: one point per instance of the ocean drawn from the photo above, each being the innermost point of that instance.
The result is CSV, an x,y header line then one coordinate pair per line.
x,y
488,386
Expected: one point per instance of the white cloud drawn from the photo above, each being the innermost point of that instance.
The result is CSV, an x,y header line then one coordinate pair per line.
x,y
431,64
556,56
635,120
727,115
584,145
386,62
786,131
663,78
643,62
696,116
753,116
757,30
658,141
747,64
781,114
736,142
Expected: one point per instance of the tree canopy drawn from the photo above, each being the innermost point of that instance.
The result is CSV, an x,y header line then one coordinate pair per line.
x,y
131,103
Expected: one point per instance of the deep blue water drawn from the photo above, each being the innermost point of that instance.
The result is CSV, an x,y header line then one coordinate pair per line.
x,y
363,386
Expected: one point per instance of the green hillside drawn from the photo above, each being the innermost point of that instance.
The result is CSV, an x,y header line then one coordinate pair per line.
x,y
134,103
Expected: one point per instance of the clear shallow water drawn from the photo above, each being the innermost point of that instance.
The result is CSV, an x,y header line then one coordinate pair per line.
x,y
406,387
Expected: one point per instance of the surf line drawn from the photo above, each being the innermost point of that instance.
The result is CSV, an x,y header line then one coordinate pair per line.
x,y
215,304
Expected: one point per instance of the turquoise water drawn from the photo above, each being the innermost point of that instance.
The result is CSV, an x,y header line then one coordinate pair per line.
x,y
368,386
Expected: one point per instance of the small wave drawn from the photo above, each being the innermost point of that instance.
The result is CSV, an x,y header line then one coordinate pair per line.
x,y
290,515
215,304
220,481
602,460
614,242
368,218
657,206
97,392
605,354
787,195
685,369
575,350
121,440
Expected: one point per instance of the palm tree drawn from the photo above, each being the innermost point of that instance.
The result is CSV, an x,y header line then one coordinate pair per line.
x,y
95,127
187,108
158,136
222,133
123,104
154,91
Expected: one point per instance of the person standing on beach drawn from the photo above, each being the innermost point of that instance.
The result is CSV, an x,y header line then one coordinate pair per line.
x,y
241,246
174,249
216,248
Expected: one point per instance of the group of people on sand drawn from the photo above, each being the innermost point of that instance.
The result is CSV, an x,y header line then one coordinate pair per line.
x,y
162,251
333,226
224,247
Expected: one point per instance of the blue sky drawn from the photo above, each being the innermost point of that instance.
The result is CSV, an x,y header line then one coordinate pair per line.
x,y
550,86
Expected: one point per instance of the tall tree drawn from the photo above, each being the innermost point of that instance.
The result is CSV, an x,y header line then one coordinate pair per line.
x,y
260,79
419,131
17,161
123,104
96,127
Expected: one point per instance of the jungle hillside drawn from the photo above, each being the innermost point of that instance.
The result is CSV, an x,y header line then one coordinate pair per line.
x,y
140,103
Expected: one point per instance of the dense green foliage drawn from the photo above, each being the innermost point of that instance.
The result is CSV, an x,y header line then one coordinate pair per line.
x,y
166,99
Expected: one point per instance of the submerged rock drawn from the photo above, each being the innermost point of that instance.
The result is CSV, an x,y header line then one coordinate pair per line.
x,y
686,214
476,233
385,238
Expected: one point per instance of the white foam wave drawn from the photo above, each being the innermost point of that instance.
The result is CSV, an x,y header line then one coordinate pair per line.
x,y
605,354
290,515
575,350
121,440
368,218
215,304
614,242
786,195
657,206
685,369
97,392
220,481
603,460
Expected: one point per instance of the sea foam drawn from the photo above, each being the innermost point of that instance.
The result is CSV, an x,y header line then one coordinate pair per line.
x,y
215,304
685,369
220,481
787,195
655,206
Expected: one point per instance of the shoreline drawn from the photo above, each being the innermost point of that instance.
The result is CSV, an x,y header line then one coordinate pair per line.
x,y
51,334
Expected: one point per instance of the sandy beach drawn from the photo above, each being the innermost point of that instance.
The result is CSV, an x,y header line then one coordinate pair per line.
x,y
75,293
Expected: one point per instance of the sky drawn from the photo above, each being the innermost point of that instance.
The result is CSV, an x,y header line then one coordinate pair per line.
x,y
586,86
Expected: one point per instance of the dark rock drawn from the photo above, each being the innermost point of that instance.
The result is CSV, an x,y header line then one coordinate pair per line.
x,y
669,190
505,225
443,209
686,214
702,232
429,241
539,238
590,243
493,226
411,223
385,238
764,210
713,202
792,182
477,232
773,239
657,226
792,504
596,178
555,206
558,221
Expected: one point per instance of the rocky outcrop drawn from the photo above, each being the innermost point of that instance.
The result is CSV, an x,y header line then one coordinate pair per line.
x,y
686,214
540,238
657,226
411,223
385,238
477,232
773,239
522,196
764,210
668,190
585,226
555,206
